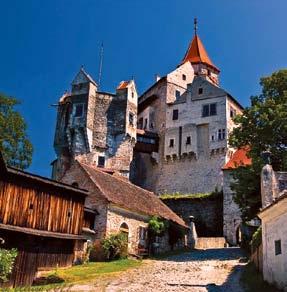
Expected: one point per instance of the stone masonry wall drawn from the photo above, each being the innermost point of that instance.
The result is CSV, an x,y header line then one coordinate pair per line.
x,y
231,212
117,216
207,214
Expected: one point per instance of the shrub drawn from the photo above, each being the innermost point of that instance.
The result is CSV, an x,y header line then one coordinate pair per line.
x,y
7,259
115,246
256,238
157,226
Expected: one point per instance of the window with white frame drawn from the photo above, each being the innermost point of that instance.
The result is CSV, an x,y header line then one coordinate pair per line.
x,y
221,134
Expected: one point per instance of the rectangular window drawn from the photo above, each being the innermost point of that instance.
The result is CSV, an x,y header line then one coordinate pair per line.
x,y
131,119
140,123
175,114
221,134
209,110
142,233
278,247
177,94
232,112
200,90
79,110
188,140
183,77
145,124
101,161
171,143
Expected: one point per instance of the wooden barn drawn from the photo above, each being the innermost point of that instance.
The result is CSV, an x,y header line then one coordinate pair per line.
x,y
43,219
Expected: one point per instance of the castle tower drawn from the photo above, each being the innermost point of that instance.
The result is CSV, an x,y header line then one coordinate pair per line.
x,y
189,117
98,128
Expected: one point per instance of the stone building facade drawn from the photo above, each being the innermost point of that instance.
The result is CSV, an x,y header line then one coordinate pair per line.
x,y
120,207
231,212
192,116
273,217
96,127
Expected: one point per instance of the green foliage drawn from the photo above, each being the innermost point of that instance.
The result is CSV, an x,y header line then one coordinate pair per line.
x,y
14,143
157,226
7,259
256,238
178,196
262,126
115,246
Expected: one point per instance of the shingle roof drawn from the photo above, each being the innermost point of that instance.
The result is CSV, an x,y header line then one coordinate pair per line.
x,y
127,195
239,158
196,53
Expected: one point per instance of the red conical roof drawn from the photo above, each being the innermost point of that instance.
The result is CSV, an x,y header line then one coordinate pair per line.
x,y
196,53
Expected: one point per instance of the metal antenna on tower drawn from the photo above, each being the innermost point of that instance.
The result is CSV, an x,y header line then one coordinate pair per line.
x,y
195,26
101,65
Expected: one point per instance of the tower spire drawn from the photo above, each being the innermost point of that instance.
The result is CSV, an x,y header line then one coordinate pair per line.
x,y
195,26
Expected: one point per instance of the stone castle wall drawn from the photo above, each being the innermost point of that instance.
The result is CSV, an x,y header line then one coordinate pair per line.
x,y
207,213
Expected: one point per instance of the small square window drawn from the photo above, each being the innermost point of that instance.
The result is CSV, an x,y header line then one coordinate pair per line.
x,y
171,142
177,94
183,77
101,161
188,140
175,114
278,247
200,90
79,110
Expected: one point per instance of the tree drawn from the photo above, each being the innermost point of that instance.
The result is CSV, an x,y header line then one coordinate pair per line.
x,y
261,127
14,143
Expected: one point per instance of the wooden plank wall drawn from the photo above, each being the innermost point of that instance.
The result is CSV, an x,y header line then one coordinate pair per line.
x,y
39,208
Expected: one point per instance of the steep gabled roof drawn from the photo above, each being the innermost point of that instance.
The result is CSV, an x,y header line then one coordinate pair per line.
x,y
123,84
239,158
82,72
129,196
196,53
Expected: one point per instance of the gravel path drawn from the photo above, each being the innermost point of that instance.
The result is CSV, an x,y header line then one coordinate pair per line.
x,y
200,270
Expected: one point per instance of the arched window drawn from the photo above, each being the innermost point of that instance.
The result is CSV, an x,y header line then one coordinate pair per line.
x,y
124,228
75,184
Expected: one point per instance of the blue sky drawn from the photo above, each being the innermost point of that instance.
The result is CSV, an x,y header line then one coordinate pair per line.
x,y
44,43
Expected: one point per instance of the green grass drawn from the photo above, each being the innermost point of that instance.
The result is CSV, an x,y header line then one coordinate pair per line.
x,y
253,280
83,273
178,196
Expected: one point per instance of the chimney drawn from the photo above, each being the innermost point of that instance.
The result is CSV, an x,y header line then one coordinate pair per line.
x,y
268,181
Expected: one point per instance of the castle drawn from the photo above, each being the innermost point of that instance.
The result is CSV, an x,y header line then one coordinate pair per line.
x,y
172,138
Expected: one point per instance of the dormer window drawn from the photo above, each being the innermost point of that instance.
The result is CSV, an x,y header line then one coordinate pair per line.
x,y
79,110
200,90
101,161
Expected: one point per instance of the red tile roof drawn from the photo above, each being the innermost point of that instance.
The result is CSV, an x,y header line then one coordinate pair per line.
x,y
127,195
123,85
239,158
196,53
